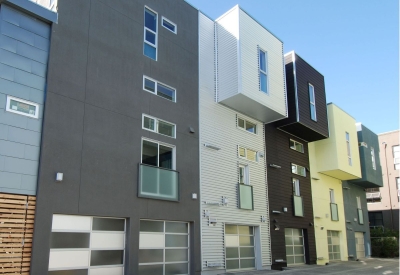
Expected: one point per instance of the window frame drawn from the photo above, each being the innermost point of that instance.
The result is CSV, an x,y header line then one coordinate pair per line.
x,y
296,187
260,71
170,22
396,157
156,87
305,170
245,150
154,32
156,124
373,158
240,197
294,141
245,121
350,161
332,196
311,102
173,147
246,174
8,109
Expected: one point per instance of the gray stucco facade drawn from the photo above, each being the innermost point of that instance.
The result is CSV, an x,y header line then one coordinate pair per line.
x,y
355,190
92,131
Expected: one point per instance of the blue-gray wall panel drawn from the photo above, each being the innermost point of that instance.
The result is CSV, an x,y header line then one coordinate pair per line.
x,y
12,149
20,121
23,136
21,166
18,191
20,48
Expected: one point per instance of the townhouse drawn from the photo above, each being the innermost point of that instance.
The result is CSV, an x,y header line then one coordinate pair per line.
x,y
288,169
242,87
333,160
354,199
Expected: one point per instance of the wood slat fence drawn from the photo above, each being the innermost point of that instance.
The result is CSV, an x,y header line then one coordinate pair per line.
x,y
17,214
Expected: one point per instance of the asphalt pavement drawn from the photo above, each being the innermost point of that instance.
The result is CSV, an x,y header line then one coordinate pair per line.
x,y
369,266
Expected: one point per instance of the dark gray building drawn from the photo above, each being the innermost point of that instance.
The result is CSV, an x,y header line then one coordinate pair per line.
x,y
354,199
119,163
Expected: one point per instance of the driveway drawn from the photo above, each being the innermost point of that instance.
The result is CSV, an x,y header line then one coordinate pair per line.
x,y
370,266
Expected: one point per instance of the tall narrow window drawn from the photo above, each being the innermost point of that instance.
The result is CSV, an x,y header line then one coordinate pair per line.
x,y
313,111
263,72
244,174
296,187
398,188
348,148
334,207
332,195
359,211
150,34
373,158
396,156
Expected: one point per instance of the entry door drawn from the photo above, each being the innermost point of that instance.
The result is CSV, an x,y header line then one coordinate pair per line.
x,y
294,242
360,247
334,245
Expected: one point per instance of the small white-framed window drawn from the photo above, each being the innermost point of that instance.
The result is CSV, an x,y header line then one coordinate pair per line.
x,y
296,187
396,156
295,145
150,33
22,107
263,70
247,154
313,110
348,148
158,126
299,170
158,88
332,195
244,175
169,25
373,158
158,154
246,125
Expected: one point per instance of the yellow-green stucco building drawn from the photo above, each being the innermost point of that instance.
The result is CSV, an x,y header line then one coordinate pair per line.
x,y
332,160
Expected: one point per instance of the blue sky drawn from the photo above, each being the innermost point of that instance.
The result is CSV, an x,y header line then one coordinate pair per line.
x,y
353,43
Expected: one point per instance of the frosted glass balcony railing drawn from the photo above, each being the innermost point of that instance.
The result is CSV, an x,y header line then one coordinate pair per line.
x,y
246,197
158,183
298,206
334,212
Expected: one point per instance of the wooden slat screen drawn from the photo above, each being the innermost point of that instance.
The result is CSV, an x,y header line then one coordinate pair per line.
x,y
17,213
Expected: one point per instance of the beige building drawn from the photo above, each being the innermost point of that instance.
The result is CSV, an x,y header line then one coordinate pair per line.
x,y
383,203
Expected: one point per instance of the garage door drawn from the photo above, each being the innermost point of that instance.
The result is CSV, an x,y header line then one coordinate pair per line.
x,y
84,245
239,245
333,245
294,242
360,247
163,248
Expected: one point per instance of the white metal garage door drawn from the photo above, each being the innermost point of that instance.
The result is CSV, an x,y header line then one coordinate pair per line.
x,y
360,247
294,246
333,245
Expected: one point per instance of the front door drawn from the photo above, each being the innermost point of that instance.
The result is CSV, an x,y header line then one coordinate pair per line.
x,y
360,247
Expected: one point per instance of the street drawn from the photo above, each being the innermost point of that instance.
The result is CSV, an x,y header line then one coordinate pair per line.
x,y
370,266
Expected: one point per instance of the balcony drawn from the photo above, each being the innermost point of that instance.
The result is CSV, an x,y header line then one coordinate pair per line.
x,y
298,206
374,197
246,197
334,212
158,183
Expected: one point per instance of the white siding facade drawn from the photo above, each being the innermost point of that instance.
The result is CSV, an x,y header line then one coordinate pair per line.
x,y
219,165
238,40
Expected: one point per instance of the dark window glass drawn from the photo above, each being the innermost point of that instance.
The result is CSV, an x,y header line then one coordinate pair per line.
x,y
150,37
150,20
176,227
172,269
165,92
150,153
69,272
150,51
176,241
151,226
151,255
69,240
168,25
106,257
151,270
176,255
165,157
150,85
103,224
262,61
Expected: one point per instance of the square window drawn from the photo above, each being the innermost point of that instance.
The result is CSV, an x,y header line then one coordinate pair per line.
x,y
247,125
22,107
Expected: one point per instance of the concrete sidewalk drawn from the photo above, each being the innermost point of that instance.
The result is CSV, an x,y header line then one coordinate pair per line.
x,y
370,266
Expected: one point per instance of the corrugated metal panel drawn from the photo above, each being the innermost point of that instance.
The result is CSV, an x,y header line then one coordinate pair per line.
x,y
24,45
252,36
219,168
227,51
